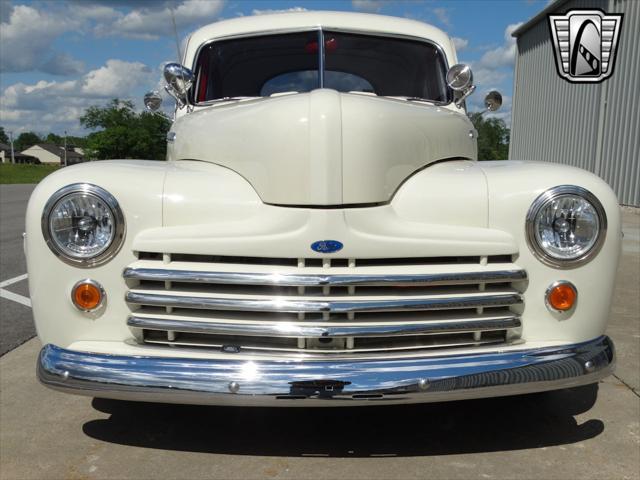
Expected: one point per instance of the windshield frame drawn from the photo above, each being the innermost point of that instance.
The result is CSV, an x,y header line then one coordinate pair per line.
x,y
321,55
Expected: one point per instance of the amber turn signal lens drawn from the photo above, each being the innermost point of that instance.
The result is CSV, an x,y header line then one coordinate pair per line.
x,y
562,296
87,295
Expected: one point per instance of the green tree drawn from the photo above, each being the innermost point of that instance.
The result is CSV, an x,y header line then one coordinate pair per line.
x,y
124,133
3,136
77,141
493,137
26,140
55,139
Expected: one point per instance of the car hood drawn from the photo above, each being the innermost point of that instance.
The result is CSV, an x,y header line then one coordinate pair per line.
x,y
323,147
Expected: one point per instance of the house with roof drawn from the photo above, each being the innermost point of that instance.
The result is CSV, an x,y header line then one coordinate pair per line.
x,y
5,155
49,153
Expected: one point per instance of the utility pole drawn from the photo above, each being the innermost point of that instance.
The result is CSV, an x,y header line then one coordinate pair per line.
x,y
13,157
65,148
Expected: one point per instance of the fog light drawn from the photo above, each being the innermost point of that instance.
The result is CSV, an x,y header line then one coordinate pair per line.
x,y
561,296
87,295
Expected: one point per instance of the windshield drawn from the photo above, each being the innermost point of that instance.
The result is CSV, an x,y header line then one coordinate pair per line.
x,y
294,62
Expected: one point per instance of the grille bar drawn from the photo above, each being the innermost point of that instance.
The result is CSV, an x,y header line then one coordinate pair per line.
x,y
306,330
402,345
429,302
320,306
296,280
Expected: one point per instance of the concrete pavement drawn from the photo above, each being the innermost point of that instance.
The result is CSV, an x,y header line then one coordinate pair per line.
x,y
590,432
563,434
624,323
16,322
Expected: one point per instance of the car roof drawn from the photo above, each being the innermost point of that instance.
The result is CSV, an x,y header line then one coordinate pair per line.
x,y
290,21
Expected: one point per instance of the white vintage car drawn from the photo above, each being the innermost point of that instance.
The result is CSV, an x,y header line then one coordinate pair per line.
x,y
321,234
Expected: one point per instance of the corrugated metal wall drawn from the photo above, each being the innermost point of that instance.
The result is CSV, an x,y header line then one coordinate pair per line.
x,y
618,159
595,127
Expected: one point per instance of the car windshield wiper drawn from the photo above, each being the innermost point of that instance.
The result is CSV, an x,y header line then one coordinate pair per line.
x,y
418,99
223,99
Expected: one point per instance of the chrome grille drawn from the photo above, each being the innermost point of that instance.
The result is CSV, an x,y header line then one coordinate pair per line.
x,y
323,305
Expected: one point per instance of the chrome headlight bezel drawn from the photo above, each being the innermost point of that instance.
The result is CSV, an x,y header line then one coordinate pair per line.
x,y
117,215
542,201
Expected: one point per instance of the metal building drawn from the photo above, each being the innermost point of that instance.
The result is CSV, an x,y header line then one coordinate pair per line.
x,y
592,126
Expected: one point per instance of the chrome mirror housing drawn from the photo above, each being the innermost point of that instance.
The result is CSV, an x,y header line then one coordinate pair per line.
x,y
493,101
460,77
152,101
460,80
179,80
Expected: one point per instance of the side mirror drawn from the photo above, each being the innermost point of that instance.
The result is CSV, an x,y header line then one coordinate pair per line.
x,y
460,79
493,101
179,81
152,101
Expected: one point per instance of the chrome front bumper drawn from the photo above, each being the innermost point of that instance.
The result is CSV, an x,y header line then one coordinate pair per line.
x,y
328,382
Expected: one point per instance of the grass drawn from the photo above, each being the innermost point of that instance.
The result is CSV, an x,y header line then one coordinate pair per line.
x,y
22,173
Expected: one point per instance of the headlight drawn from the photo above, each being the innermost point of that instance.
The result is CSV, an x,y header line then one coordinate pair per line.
x,y
566,226
83,225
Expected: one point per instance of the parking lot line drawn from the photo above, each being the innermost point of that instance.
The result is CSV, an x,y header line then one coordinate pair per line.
x,y
13,280
14,297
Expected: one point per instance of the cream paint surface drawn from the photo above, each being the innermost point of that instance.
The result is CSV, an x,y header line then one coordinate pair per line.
x,y
222,214
314,148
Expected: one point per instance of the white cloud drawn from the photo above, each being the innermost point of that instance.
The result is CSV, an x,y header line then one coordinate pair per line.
x,y
505,54
26,39
115,77
62,64
286,10
50,106
460,43
485,76
28,33
367,5
442,14
494,67
91,11
150,23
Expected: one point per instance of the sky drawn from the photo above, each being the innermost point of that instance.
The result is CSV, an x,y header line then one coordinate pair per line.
x,y
58,57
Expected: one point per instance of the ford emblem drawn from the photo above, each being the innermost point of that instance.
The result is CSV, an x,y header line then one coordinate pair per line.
x,y
326,246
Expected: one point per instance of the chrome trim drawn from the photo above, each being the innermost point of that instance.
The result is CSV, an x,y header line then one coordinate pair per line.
x,y
319,280
551,287
356,31
460,101
321,52
548,196
310,330
459,68
475,300
218,344
118,216
232,381
103,295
